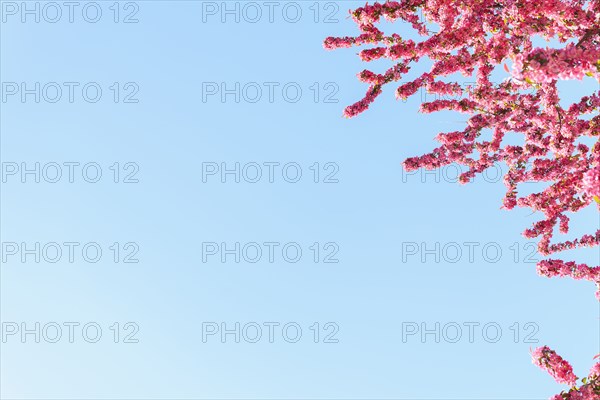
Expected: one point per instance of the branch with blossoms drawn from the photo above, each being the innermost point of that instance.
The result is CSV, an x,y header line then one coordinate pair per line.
x,y
475,37
562,372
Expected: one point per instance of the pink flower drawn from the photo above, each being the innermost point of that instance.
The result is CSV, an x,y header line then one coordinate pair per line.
x,y
595,371
591,182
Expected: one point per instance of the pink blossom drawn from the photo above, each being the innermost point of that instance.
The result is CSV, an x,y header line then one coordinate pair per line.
x,y
591,182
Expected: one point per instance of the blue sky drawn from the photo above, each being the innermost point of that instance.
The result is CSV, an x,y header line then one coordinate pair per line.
x,y
166,115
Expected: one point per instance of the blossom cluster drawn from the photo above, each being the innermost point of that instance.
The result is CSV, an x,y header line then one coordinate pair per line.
x,y
547,65
560,369
562,372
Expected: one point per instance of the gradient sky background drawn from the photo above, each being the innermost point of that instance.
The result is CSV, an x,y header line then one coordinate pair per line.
x,y
371,214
